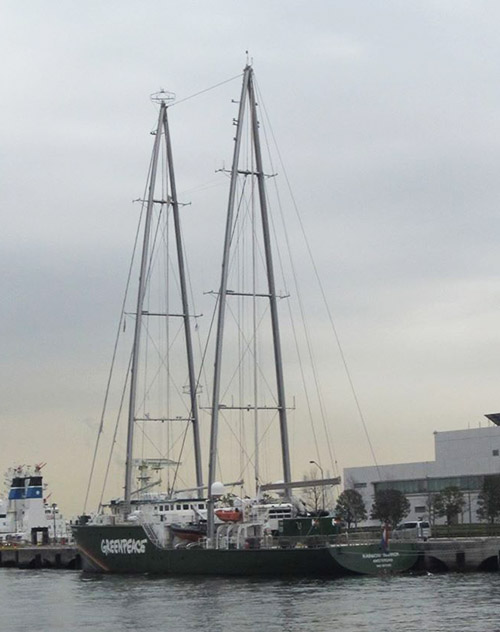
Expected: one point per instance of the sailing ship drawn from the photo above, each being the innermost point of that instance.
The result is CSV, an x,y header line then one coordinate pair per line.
x,y
193,532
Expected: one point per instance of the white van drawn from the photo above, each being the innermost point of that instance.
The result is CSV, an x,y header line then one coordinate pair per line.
x,y
412,530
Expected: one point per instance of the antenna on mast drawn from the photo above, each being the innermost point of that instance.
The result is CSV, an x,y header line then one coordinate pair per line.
x,y
163,97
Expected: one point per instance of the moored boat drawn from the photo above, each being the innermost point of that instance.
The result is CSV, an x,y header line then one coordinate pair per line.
x,y
129,549
27,516
168,534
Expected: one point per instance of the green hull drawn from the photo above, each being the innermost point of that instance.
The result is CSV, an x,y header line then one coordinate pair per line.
x,y
370,559
127,549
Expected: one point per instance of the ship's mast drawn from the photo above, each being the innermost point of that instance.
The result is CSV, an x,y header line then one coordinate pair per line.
x,y
162,129
185,308
278,362
247,96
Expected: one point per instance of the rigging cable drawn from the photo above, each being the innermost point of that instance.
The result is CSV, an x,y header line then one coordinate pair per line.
x,y
115,350
197,94
305,328
113,442
323,295
122,316
309,345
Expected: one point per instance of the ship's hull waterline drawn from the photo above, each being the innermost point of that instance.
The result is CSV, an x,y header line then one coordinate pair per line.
x,y
127,549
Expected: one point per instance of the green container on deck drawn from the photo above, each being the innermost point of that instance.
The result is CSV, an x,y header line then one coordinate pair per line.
x,y
301,527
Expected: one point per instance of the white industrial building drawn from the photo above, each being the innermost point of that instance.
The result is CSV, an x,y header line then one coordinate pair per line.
x,y
462,459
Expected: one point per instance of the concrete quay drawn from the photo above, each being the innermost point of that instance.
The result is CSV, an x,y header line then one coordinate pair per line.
x,y
45,556
459,554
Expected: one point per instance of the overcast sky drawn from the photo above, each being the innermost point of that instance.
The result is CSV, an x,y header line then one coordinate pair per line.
x,y
387,115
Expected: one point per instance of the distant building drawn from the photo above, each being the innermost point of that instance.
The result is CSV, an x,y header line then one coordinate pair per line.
x,y
462,459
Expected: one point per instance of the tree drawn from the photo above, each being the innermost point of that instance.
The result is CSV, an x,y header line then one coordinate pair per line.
x,y
431,508
313,496
449,502
350,507
317,498
488,499
390,506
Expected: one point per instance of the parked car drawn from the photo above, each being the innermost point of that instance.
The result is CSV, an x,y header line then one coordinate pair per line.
x,y
412,530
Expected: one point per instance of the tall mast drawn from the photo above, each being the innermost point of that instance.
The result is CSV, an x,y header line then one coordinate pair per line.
x,y
162,128
214,429
185,308
138,312
247,93
278,361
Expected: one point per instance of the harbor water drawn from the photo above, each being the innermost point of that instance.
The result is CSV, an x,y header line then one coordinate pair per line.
x,y
50,600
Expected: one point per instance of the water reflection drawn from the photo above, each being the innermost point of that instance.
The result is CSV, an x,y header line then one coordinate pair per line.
x,y
64,600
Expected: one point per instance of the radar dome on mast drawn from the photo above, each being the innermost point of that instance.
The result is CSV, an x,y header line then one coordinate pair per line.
x,y
218,489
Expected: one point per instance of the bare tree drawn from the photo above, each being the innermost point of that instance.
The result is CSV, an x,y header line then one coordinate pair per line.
x,y
317,498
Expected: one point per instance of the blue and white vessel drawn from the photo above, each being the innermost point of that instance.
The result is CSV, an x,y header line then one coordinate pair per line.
x,y
26,516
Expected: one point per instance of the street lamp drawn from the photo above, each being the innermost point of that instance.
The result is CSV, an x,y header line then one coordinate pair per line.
x,y
322,487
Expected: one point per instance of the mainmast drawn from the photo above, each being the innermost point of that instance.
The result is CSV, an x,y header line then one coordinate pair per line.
x,y
278,361
247,96
162,129
185,308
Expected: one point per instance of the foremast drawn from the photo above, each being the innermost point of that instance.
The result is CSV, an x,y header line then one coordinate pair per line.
x,y
162,130
247,96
